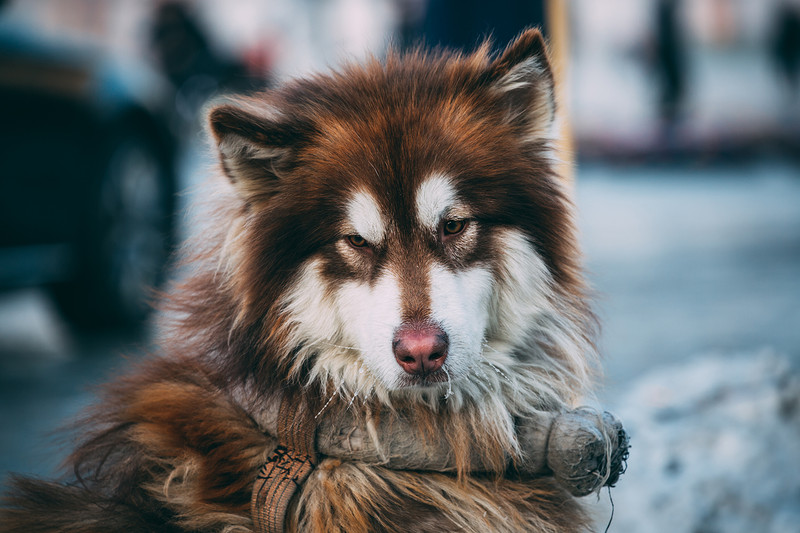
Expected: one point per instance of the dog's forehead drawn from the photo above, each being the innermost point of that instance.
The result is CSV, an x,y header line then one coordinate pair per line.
x,y
371,213
397,152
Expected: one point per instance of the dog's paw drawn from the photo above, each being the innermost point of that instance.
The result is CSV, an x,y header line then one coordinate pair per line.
x,y
587,450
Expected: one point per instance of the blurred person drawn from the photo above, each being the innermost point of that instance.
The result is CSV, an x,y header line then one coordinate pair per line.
x,y
785,46
188,59
462,24
411,16
670,64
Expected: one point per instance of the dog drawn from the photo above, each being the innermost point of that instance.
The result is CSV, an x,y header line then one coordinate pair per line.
x,y
395,245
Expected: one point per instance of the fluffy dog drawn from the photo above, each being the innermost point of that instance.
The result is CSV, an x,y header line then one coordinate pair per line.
x,y
396,256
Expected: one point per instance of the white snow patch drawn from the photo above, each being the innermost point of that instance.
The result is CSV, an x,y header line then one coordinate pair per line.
x,y
715,448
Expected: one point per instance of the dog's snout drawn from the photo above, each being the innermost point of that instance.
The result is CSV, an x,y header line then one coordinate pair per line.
x,y
420,348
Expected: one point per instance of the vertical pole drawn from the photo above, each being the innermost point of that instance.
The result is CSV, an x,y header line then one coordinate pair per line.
x,y
557,16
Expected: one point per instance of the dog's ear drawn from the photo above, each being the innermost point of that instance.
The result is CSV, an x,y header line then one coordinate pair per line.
x,y
255,142
524,79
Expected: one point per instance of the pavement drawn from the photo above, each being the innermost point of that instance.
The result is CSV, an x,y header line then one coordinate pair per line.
x,y
689,260
48,375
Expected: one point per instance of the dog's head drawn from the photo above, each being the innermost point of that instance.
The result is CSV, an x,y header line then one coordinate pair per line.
x,y
402,231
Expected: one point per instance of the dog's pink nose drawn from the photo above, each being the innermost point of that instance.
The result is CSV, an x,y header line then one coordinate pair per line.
x,y
420,348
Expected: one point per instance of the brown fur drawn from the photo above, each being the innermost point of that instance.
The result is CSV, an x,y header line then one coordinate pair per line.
x,y
176,446
352,498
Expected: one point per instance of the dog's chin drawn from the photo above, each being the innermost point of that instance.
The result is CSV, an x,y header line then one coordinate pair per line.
x,y
426,381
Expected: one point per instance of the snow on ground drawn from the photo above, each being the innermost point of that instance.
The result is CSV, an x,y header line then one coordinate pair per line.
x,y
688,259
714,448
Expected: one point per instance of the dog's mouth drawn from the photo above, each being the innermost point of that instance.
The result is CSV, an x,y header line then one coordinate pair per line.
x,y
424,380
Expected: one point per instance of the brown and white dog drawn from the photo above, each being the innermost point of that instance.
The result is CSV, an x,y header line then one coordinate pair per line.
x,y
396,242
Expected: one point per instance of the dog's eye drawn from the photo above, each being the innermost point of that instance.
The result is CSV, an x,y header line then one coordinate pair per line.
x,y
453,227
356,241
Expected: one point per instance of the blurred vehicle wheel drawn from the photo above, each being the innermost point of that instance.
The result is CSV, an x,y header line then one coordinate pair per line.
x,y
126,239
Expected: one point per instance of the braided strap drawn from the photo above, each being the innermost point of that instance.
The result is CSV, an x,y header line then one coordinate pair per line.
x,y
287,468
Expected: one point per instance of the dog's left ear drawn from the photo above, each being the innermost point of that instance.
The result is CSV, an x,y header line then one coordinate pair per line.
x,y
524,79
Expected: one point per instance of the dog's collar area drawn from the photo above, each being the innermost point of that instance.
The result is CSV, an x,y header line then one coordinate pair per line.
x,y
287,468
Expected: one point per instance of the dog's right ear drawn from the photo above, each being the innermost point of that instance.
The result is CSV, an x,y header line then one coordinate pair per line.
x,y
524,79
254,142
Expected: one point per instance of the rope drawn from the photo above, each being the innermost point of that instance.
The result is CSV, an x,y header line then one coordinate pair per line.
x,y
287,468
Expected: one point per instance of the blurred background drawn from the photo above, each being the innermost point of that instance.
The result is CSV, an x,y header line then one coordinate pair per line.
x,y
683,118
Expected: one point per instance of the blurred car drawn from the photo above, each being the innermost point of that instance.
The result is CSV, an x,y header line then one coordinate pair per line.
x,y
86,179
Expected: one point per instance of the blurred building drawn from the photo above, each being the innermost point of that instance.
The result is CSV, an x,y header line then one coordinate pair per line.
x,y
282,36
647,76
733,98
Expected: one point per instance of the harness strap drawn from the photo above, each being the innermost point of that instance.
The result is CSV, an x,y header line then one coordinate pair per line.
x,y
287,468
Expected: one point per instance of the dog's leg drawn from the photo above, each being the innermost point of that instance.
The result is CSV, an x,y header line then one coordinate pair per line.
x,y
169,452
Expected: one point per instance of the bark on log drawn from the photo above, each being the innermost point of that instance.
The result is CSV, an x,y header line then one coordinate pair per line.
x,y
582,449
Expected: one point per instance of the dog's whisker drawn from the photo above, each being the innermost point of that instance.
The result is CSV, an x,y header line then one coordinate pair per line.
x,y
499,372
340,346
449,384
489,347
335,392
353,399
358,390
477,369
494,367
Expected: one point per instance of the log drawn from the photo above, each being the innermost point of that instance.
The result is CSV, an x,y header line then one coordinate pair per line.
x,y
584,450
